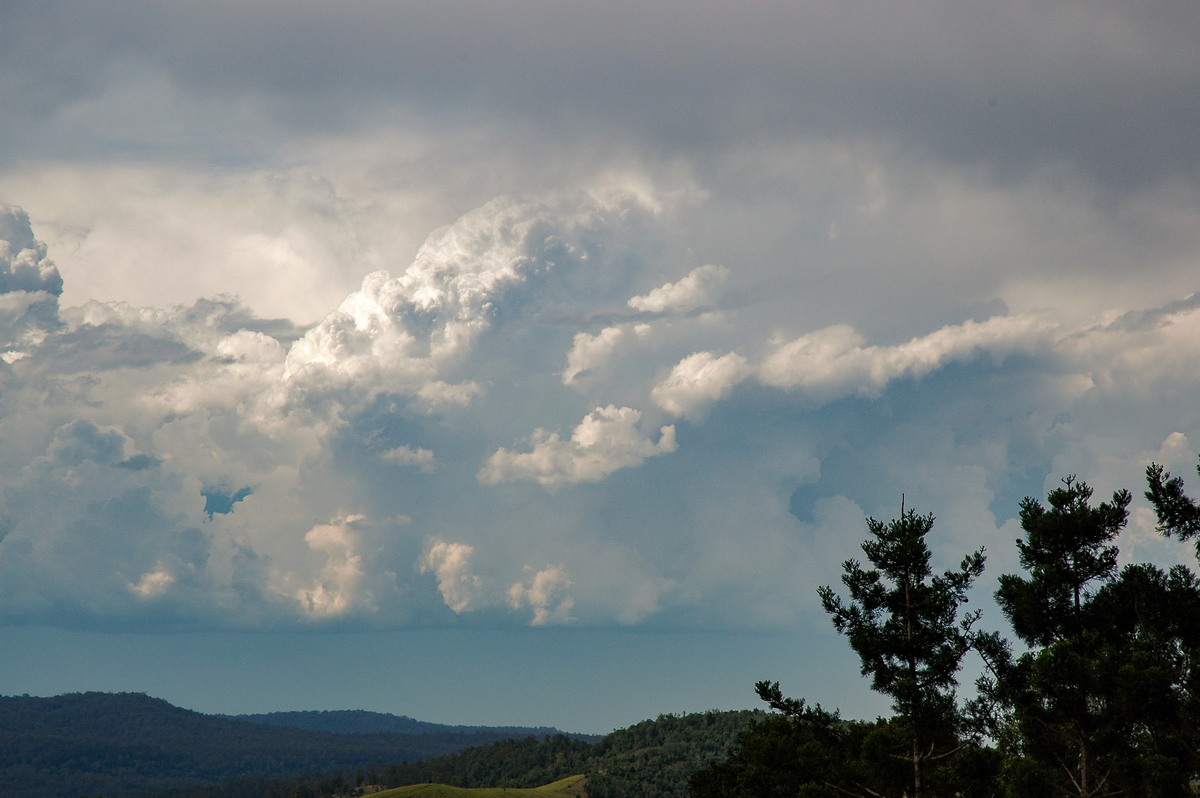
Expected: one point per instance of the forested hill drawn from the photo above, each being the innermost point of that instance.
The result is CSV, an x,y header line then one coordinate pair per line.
x,y
360,721
126,743
651,759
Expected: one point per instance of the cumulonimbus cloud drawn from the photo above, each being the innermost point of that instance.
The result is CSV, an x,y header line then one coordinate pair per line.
x,y
169,462
404,331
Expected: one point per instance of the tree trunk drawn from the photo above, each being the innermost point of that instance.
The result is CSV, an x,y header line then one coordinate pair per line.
x,y
916,762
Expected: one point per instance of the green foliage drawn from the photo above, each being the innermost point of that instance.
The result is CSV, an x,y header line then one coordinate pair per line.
x,y
778,756
807,756
1104,702
1178,515
651,759
655,758
527,762
1066,549
1069,724
110,744
902,621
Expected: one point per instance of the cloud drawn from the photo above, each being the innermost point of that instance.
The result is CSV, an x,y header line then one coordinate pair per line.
x,y
833,362
699,289
591,352
450,563
423,460
995,87
607,439
544,596
147,414
461,283
82,441
23,263
166,464
699,380
30,286
153,583
337,590
485,270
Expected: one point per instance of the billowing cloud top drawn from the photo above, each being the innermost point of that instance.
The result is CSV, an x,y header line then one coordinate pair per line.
x,y
514,426
30,285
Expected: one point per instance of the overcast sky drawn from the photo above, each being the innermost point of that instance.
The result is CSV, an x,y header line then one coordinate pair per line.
x,y
529,362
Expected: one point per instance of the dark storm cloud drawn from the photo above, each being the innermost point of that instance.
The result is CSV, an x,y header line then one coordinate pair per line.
x,y
1108,89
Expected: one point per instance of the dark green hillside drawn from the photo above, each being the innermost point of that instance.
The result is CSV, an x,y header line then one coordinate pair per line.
x,y
359,721
527,762
652,758
126,743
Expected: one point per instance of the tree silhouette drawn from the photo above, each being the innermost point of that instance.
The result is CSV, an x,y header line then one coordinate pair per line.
x,y
902,621
1062,691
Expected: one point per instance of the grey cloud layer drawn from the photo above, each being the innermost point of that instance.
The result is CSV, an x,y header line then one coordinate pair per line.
x,y
1105,87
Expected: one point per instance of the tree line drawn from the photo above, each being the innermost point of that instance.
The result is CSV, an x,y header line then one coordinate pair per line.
x,y
127,743
1095,693
651,759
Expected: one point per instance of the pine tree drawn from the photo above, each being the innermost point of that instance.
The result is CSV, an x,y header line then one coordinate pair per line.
x,y
1062,690
1178,515
902,621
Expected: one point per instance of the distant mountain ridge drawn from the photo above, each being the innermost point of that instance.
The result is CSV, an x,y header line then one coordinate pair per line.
x,y
361,721
126,743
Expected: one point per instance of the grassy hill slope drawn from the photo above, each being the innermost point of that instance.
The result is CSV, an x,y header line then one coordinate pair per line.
x,y
570,787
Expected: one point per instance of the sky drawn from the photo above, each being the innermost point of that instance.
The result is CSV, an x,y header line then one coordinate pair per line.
x,y
534,363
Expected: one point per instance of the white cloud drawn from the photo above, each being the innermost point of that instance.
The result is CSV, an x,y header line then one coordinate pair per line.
x,y
338,588
607,439
30,286
129,431
834,362
423,460
958,288
438,394
699,380
591,352
404,333
23,262
153,583
698,289
450,563
158,235
544,595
